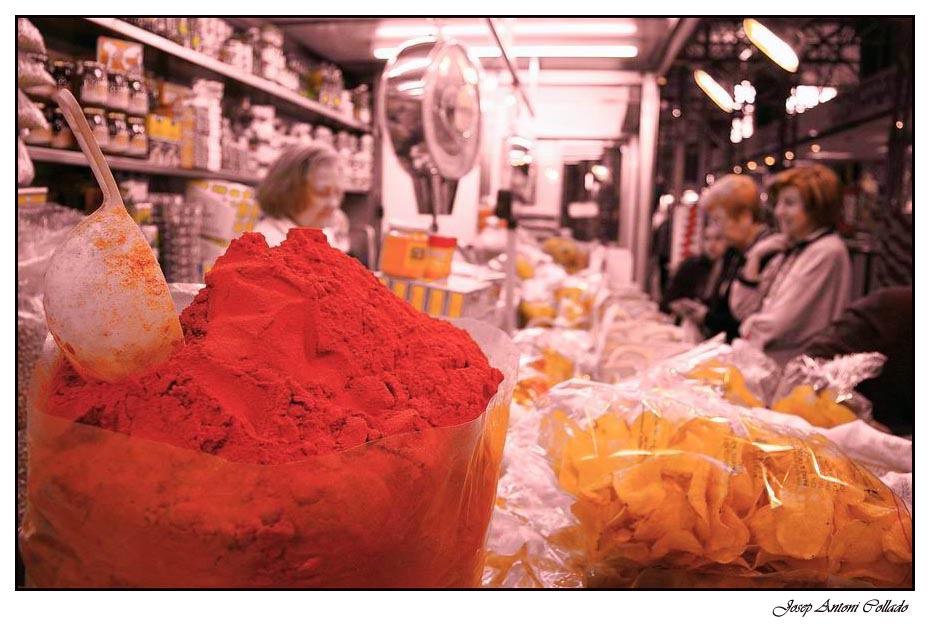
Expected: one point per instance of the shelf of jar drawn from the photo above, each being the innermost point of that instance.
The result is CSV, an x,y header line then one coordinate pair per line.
x,y
136,165
229,72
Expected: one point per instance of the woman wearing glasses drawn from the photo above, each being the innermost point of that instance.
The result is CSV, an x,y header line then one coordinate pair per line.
x,y
303,188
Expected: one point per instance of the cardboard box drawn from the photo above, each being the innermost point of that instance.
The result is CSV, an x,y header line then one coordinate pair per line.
x,y
455,296
229,209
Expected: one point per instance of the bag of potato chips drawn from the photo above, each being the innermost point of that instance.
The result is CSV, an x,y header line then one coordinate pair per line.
x,y
741,373
673,488
823,391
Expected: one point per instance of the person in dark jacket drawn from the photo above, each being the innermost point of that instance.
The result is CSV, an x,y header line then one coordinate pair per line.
x,y
696,275
880,322
733,203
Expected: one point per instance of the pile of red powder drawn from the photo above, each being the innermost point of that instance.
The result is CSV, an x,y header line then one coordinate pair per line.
x,y
292,351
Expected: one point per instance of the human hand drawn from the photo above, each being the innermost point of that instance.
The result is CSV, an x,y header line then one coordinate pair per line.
x,y
690,309
769,245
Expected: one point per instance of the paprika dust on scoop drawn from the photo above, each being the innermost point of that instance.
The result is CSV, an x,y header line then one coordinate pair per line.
x,y
291,351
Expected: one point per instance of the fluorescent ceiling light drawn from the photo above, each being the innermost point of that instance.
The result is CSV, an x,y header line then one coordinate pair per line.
x,y
774,47
541,27
620,51
422,30
593,52
717,93
571,27
475,51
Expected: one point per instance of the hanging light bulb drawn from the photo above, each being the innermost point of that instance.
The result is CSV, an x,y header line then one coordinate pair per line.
x,y
774,47
736,131
716,92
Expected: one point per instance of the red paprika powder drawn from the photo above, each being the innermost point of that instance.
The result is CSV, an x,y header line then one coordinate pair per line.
x,y
291,352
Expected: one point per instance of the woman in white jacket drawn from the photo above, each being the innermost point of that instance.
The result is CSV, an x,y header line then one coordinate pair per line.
x,y
807,284
303,188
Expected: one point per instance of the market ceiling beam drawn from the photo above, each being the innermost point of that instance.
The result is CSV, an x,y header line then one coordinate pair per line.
x,y
682,33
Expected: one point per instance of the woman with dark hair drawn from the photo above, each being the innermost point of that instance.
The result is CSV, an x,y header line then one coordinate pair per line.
x,y
303,188
808,281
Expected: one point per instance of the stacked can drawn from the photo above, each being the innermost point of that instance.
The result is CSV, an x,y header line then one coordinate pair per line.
x,y
179,223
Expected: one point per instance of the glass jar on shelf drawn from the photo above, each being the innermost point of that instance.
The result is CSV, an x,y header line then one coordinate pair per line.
x,y
62,138
63,72
97,119
93,82
138,137
119,133
138,95
118,92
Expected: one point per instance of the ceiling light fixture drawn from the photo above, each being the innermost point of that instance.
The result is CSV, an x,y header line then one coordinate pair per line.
x,y
815,148
552,52
716,92
774,47
518,27
770,160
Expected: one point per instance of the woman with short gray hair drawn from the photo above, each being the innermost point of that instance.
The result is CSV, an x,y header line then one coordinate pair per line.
x,y
303,188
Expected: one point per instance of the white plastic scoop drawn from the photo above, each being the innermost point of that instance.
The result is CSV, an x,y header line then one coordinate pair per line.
x,y
106,300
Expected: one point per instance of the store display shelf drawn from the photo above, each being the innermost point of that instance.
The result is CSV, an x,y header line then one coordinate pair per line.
x,y
213,65
76,158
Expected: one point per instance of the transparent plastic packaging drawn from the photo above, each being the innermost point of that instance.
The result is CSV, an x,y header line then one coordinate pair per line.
x,y
25,170
32,76
28,115
533,540
549,356
742,374
411,510
675,489
28,37
823,391
39,230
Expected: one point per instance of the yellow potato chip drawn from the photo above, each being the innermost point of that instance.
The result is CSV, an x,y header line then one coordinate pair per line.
x,y
744,493
804,521
697,490
640,487
762,530
729,537
856,542
676,540
674,513
897,541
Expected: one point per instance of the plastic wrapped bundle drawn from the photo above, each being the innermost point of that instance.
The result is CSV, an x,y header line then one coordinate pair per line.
x,y
25,171
409,510
32,76
39,230
28,116
741,373
673,489
28,37
823,392
533,540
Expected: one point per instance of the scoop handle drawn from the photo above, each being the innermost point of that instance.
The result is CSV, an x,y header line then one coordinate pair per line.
x,y
85,137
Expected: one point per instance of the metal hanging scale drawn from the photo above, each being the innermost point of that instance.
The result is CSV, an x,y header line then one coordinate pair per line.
x,y
431,107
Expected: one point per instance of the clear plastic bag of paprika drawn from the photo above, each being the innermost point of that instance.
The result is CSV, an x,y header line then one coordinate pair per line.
x,y
410,510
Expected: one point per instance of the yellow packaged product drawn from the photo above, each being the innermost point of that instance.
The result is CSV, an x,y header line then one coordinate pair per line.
x,y
823,391
672,489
